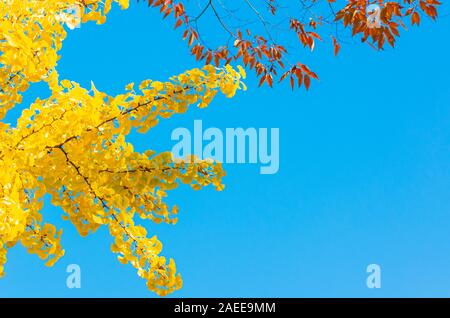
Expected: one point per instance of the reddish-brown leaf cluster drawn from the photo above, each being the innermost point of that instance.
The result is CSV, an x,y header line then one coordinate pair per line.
x,y
391,15
265,56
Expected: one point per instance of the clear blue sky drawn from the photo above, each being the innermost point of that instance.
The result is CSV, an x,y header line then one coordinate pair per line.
x,y
364,174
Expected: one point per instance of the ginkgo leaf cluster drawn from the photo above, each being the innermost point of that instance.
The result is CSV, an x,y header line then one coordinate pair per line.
x,y
72,145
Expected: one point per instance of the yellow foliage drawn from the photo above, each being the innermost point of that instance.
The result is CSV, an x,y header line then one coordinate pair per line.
x,y
72,145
